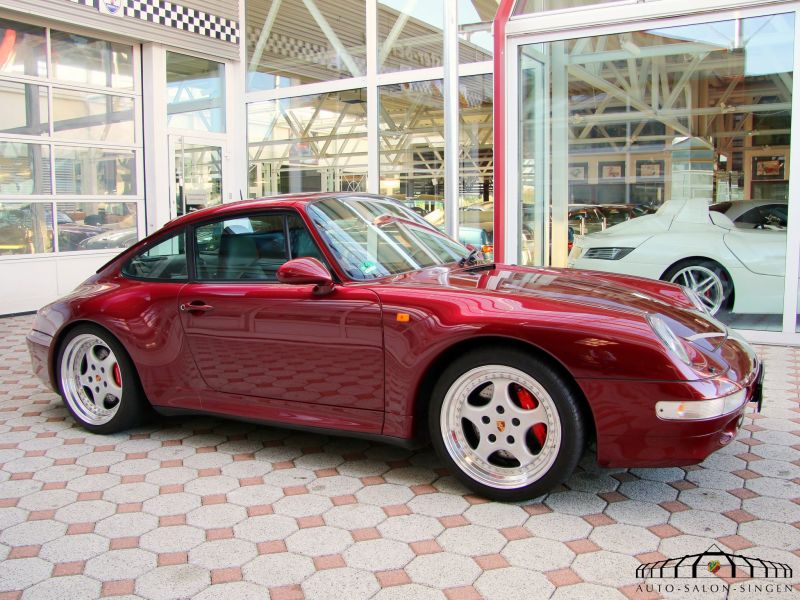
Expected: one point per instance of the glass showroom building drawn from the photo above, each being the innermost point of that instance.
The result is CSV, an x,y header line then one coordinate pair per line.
x,y
545,130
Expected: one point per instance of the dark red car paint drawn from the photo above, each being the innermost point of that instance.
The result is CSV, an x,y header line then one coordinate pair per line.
x,y
344,361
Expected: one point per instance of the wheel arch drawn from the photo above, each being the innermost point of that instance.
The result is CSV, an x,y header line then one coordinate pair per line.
x,y
58,341
439,363
690,259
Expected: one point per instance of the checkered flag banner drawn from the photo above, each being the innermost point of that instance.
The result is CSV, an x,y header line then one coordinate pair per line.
x,y
171,15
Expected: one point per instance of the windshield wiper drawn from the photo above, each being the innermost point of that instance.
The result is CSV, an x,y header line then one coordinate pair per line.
x,y
469,259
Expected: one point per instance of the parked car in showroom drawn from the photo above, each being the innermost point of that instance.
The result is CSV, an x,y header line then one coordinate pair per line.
x,y
730,268
348,313
755,214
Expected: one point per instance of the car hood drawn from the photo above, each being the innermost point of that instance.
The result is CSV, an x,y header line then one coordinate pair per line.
x,y
535,284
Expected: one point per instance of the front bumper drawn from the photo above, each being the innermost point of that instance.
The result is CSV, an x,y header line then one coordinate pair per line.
x,y
630,433
39,349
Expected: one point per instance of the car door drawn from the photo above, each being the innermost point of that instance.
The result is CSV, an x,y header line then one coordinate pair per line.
x,y
254,337
761,251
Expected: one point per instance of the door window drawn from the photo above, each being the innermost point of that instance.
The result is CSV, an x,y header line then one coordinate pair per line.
x,y
165,260
241,248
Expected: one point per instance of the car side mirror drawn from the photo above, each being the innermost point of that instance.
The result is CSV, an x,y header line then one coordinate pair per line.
x,y
306,271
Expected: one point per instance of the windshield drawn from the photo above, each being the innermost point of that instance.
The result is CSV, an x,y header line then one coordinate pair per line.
x,y
374,237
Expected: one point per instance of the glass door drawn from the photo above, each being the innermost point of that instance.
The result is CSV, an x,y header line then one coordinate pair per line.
x,y
197,173
532,169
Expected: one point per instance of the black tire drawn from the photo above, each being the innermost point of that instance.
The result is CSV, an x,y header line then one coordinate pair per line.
x,y
565,401
725,279
132,408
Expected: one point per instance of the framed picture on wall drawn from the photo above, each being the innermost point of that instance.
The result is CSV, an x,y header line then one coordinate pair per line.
x,y
649,169
769,167
578,171
612,169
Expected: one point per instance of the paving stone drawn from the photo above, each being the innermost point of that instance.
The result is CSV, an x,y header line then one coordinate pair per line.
x,y
131,492
32,532
85,511
410,528
775,468
348,583
385,494
775,488
378,555
126,525
338,485
176,538
438,504
710,499
633,512
208,486
409,591
219,554
302,505
575,503
173,581
319,541
238,590
21,573
48,499
625,539
772,534
358,516
606,568
644,490
703,523
587,590
539,554
216,516
443,570
255,495
496,514
128,563
265,528
73,548
74,587
472,540
558,527
513,583
171,504
171,476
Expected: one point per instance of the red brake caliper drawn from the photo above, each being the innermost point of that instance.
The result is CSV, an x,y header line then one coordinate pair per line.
x,y
528,402
117,375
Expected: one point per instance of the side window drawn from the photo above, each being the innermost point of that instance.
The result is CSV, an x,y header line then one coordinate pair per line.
x,y
165,260
243,248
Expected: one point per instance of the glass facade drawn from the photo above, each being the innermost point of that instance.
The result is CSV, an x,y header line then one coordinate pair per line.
x,y
661,152
308,144
69,152
294,42
195,93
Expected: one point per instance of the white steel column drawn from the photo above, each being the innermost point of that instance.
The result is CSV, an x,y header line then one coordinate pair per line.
x,y
451,117
156,157
373,110
790,307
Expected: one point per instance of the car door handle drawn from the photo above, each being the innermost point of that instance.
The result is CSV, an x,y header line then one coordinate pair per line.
x,y
196,305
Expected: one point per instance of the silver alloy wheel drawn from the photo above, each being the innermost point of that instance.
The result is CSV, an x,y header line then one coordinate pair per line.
x,y
705,282
91,379
489,434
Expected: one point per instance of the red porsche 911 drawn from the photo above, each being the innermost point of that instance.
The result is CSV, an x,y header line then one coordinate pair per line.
x,y
348,313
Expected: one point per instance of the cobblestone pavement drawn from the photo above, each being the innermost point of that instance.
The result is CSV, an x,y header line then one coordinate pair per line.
x,y
207,508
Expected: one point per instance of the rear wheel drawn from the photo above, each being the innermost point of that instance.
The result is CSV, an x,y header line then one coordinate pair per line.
x,y
506,424
708,279
98,382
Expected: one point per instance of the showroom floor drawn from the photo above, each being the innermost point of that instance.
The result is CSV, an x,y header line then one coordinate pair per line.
x,y
205,508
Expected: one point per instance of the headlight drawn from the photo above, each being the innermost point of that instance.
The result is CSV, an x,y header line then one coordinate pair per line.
x,y
694,298
613,253
669,338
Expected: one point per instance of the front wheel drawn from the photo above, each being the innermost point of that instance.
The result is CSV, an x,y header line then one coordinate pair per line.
x,y
98,382
506,424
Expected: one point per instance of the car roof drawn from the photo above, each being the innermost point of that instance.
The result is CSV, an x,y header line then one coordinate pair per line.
x,y
281,201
